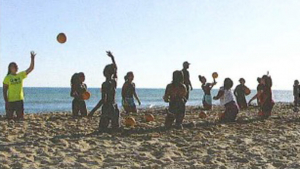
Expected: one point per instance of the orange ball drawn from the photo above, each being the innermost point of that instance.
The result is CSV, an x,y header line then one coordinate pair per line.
x,y
86,95
61,38
247,91
130,122
149,117
202,115
221,115
215,75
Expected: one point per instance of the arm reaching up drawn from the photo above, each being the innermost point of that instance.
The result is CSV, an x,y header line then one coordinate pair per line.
x,y
31,67
109,54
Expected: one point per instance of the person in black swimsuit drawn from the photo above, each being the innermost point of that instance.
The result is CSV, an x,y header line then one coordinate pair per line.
x,y
175,95
77,89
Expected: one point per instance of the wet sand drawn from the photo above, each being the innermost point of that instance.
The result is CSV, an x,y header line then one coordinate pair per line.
x,y
57,140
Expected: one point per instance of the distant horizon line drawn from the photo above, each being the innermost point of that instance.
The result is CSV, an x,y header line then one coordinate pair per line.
x,y
142,88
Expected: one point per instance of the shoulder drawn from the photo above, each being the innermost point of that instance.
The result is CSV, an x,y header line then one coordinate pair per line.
x,y
22,74
169,86
182,86
7,79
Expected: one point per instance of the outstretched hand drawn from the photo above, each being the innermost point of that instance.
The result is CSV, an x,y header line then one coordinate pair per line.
x,y
109,54
32,53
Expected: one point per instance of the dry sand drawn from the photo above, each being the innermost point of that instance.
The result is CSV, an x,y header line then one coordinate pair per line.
x,y
57,140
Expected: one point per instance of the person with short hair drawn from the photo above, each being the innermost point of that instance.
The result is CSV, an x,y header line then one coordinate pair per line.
x,y
186,78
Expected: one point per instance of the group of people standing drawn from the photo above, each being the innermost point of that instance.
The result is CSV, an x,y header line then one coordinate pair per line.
x,y
176,94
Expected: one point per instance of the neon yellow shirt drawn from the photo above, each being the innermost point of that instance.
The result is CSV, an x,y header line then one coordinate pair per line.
x,y
15,86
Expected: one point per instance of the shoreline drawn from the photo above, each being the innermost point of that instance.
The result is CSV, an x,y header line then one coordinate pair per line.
x,y
142,108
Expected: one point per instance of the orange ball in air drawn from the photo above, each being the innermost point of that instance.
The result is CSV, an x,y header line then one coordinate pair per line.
x,y
86,95
61,38
130,122
215,75
149,117
202,115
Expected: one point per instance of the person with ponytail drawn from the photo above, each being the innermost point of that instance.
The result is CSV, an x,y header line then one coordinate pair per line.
x,y
129,93
206,87
78,87
13,93
176,96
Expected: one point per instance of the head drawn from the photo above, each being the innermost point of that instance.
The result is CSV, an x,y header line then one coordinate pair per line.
x,y
228,83
242,81
296,82
186,65
259,80
202,79
12,68
109,70
129,76
267,81
177,77
75,79
81,77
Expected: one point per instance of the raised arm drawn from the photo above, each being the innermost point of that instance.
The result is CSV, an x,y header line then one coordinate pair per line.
x,y
109,54
31,67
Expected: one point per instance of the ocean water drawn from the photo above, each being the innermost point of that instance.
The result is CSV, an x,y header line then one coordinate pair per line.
x,y
58,99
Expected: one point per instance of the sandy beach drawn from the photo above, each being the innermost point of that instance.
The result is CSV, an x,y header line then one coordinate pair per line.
x,y
57,140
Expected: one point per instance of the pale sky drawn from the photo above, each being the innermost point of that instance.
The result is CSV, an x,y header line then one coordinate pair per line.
x,y
236,38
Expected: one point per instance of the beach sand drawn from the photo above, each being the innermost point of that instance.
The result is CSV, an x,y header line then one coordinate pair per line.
x,y
57,140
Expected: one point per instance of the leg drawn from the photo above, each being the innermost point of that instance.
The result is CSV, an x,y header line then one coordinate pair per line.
x,y
104,121
10,111
180,114
115,121
20,110
169,120
83,109
75,107
105,118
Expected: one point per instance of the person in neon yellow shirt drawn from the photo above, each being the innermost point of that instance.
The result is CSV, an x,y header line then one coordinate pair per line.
x,y
13,89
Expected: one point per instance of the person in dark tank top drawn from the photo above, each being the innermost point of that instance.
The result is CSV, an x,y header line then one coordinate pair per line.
x,y
129,93
175,95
